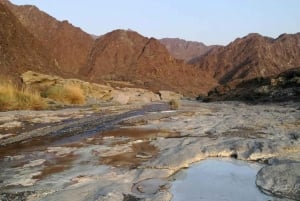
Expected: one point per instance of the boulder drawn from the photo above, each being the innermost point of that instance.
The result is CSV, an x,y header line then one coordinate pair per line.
x,y
282,180
41,82
133,95
38,80
169,95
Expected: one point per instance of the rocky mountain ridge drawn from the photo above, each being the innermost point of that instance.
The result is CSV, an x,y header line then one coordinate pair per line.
x,y
252,56
118,55
128,56
19,49
186,50
68,45
65,50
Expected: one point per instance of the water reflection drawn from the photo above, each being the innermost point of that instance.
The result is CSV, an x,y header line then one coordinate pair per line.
x,y
218,180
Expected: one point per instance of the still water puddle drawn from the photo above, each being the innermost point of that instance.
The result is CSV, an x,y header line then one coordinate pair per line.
x,y
218,180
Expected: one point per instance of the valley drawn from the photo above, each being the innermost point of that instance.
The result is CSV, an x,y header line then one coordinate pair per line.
x,y
122,116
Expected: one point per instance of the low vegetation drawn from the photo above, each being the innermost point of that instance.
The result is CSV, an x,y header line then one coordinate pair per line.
x,y
174,104
68,94
13,98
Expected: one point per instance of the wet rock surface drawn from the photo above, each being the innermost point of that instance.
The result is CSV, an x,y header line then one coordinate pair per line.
x,y
282,180
130,152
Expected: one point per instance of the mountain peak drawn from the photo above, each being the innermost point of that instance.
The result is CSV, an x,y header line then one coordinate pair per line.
x,y
185,50
252,56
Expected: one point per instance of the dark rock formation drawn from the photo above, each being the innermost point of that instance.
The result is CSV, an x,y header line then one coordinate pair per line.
x,y
283,87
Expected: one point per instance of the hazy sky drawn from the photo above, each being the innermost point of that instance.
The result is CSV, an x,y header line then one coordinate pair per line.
x,y
208,21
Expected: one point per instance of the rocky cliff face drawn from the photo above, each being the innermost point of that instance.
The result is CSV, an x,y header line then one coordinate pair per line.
x,y
128,56
186,50
19,49
68,45
252,56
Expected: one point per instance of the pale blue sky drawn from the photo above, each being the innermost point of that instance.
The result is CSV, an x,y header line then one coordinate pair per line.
x,y
208,21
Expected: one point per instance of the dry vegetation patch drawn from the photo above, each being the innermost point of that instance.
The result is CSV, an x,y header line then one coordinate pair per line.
x,y
68,94
174,104
14,98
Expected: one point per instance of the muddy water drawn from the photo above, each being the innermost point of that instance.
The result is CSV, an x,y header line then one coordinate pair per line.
x,y
218,180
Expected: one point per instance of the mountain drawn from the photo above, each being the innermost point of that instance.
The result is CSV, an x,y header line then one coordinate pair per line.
x,y
115,56
19,49
251,56
129,56
68,45
186,50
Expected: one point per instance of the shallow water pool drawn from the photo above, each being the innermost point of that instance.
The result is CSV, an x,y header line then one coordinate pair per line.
x,y
218,180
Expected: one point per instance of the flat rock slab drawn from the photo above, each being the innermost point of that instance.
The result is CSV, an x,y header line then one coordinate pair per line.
x,y
281,180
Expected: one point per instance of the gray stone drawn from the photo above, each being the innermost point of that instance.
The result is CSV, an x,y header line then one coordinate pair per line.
x,y
281,180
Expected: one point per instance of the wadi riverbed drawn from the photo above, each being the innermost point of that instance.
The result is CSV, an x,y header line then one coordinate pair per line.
x,y
133,152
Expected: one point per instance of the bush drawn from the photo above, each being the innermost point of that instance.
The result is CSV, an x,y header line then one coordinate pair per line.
x,y
69,94
12,98
174,104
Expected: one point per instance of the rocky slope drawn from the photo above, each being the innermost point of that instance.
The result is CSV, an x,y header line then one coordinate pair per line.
x,y
19,49
252,56
283,87
69,45
119,55
128,56
186,50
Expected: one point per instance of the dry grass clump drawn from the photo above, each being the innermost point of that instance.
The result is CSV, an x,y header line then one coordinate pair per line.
x,y
174,104
68,94
13,98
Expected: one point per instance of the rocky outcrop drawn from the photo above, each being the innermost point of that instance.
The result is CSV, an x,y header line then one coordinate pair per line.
x,y
282,180
91,91
185,50
252,56
284,87
133,95
169,95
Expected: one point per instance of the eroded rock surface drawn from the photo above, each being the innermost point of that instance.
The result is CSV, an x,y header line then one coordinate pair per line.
x,y
91,90
281,180
136,159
